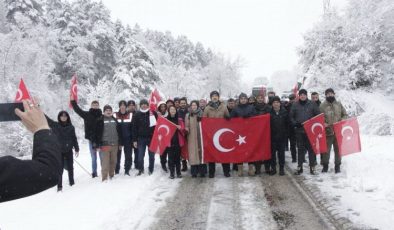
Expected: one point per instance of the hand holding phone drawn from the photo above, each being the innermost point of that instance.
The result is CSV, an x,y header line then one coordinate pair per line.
x,y
7,111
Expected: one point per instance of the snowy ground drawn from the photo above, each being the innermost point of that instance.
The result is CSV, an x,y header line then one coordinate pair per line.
x,y
364,191
123,203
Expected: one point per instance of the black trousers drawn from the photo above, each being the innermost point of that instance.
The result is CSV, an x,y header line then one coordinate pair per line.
x,y
68,161
303,146
212,168
277,151
198,169
163,158
293,144
174,159
128,154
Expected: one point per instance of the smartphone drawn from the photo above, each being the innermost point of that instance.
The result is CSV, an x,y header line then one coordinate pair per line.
x,y
7,111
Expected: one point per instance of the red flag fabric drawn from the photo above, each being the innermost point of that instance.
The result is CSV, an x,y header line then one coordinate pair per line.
x,y
74,89
236,141
314,129
22,92
162,135
348,136
154,99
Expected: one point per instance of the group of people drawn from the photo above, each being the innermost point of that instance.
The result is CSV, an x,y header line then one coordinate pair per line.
x,y
130,130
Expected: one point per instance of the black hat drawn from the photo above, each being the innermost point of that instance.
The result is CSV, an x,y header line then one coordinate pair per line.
x,y
213,93
122,102
292,97
131,102
144,102
329,90
243,95
302,91
107,107
176,99
275,98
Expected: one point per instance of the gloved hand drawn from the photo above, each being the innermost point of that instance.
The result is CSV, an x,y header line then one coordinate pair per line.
x,y
227,117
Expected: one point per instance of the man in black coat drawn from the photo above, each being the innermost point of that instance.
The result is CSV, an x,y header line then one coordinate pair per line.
x,y
279,134
245,110
143,129
21,178
301,111
292,136
90,122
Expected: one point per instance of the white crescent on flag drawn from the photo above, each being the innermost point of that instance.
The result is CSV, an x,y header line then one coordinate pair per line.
x,y
316,125
74,89
166,128
344,128
216,141
19,95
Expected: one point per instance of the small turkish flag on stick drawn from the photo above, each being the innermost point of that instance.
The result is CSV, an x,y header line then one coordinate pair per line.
x,y
314,129
154,99
74,89
348,136
22,92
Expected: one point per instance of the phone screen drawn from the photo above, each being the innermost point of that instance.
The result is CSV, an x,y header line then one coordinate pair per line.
x,y
7,111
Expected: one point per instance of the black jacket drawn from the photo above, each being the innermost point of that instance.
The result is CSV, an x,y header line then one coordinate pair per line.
x,y
279,125
301,112
65,134
141,125
262,108
89,117
98,135
244,111
21,178
125,122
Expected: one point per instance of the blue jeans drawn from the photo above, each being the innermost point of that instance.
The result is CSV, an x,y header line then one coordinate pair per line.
x,y
93,154
142,143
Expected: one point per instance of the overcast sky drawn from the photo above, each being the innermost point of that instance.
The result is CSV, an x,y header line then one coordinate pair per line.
x,y
265,33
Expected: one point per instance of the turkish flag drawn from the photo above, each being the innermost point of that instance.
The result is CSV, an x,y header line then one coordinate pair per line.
x,y
314,129
154,99
74,89
164,131
236,141
348,136
22,93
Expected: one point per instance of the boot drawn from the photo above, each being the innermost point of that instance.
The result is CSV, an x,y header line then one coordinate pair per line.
x,y
299,170
172,176
325,168
140,172
258,168
281,171
251,171
184,165
94,175
59,189
273,171
312,170
240,170
337,168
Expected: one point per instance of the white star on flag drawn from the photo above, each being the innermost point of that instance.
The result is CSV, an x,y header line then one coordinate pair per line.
x,y
241,140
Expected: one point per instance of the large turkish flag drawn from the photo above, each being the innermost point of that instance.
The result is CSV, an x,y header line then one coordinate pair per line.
x,y
236,141
314,129
162,135
348,136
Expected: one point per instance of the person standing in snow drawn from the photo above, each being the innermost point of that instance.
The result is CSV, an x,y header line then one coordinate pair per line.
x,y
124,119
132,108
21,178
292,137
333,112
163,112
90,122
279,134
108,137
143,127
177,141
244,110
301,111
217,109
192,122
67,138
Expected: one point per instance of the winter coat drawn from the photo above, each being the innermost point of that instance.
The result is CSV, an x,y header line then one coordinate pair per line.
x,y
98,141
219,112
21,178
182,113
125,123
262,108
244,111
178,139
141,127
279,125
90,118
300,113
65,134
333,112
194,138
